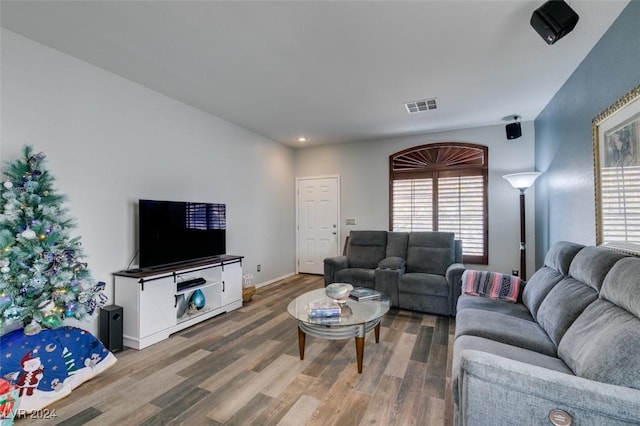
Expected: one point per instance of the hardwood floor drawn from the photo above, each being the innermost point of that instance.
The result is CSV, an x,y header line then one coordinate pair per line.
x,y
243,368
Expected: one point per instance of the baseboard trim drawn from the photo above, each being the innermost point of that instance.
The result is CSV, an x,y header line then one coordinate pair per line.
x,y
262,284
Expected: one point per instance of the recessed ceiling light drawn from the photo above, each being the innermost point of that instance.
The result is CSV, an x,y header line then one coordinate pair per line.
x,y
302,139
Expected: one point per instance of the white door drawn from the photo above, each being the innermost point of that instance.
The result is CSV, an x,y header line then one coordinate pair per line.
x,y
317,216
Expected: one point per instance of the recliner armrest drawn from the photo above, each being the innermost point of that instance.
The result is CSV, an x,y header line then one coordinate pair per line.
x,y
454,273
333,265
392,262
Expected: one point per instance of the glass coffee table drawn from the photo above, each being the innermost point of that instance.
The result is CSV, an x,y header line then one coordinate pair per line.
x,y
356,319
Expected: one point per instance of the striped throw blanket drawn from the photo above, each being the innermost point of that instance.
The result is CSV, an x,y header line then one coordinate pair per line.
x,y
492,285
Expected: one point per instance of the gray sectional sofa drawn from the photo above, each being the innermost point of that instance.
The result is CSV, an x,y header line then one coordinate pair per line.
x,y
572,343
420,271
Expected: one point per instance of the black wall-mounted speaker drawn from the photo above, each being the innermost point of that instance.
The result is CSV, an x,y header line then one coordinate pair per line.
x,y
110,327
514,131
553,20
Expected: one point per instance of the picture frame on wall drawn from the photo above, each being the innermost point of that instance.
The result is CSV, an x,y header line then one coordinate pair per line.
x,y
616,152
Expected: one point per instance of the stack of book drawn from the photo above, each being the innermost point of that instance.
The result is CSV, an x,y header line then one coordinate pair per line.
x,y
363,293
324,312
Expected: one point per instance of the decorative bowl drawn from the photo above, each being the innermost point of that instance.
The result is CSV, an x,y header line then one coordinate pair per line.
x,y
338,291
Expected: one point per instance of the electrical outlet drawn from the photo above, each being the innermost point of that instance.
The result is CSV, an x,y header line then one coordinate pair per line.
x,y
258,268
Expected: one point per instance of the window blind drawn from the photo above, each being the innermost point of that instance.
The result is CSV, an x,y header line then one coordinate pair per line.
x,y
461,210
620,203
413,205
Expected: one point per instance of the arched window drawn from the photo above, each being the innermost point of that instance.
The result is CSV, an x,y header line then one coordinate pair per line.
x,y
442,187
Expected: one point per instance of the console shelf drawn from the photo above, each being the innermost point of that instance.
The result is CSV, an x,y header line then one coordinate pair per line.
x,y
198,287
150,297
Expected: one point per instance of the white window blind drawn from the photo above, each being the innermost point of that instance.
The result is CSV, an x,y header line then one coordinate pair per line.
x,y
461,210
413,205
620,203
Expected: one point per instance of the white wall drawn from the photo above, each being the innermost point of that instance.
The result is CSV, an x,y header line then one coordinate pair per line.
x,y
110,141
364,176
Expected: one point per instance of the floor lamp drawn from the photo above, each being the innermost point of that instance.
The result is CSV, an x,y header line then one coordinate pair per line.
x,y
522,181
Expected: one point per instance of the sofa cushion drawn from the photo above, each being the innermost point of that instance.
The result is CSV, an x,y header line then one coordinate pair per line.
x,y
621,286
492,285
430,252
564,303
560,256
592,264
423,284
366,248
538,286
556,266
392,263
397,244
504,328
602,344
517,310
358,277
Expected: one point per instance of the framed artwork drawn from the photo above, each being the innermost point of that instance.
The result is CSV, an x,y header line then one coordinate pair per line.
x,y
616,151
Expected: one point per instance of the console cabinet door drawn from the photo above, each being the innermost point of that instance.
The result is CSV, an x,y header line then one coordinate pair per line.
x,y
157,306
231,283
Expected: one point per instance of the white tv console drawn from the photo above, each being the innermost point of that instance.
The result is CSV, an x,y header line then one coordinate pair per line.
x,y
150,297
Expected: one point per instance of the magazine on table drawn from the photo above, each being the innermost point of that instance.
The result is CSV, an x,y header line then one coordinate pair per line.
x,y
323,309
326,320
363,293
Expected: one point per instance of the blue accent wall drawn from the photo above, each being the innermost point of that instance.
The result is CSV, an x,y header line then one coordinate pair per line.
x,y
565,200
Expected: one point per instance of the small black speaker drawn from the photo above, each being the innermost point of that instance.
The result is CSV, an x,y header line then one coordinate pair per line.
x,y
514,131
110,327
553,20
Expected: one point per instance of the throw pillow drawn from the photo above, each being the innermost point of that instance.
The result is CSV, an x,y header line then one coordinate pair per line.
x,y
492,285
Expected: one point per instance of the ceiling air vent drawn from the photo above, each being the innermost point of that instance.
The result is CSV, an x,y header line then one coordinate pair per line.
x,y
420,106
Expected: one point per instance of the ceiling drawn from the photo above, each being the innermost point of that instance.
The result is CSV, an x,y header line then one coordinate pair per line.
x,y
333,71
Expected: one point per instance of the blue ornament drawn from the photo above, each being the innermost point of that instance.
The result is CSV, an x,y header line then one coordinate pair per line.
x,y
197,298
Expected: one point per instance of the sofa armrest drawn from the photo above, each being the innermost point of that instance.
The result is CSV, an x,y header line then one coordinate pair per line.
x,y
497,390
387,276
333,265
454,278
392,262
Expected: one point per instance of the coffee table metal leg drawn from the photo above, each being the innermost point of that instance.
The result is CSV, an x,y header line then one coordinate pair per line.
x,y
359,352
376,330
301,338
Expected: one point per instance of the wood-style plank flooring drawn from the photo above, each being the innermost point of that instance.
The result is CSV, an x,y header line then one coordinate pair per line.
x,y
243,368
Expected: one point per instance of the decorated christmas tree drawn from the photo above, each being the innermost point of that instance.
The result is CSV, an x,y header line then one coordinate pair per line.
x,y
43,278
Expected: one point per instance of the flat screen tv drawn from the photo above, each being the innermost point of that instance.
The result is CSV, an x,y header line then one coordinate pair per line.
x,y
172,232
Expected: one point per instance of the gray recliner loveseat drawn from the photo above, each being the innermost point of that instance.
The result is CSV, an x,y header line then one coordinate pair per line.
x,y
420,271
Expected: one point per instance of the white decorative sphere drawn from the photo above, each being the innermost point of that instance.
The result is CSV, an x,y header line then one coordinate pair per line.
x,y
5,269
8,185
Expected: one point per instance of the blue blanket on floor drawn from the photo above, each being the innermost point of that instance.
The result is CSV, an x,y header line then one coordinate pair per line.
x,y
47,366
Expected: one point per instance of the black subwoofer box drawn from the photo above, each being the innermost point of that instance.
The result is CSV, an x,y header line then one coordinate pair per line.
x,y
553,20
110,327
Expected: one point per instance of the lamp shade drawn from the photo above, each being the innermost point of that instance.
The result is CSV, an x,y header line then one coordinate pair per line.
x,y
522,181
